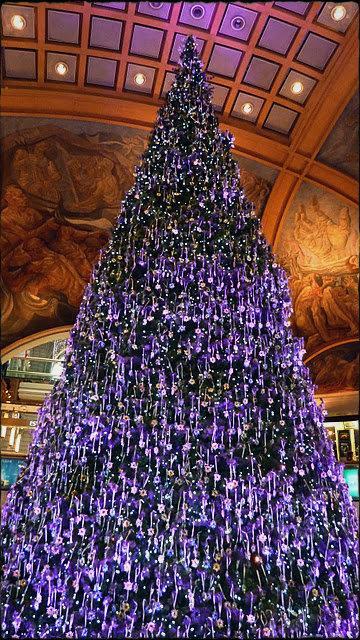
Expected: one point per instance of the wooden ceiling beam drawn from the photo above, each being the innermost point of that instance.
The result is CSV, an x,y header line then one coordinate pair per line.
x,y
85,34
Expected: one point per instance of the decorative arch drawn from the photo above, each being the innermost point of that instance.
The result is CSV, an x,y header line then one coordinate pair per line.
x,y
329,347
56,333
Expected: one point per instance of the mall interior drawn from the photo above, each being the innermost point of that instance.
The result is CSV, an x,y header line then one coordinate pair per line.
x,y
169,466
81,86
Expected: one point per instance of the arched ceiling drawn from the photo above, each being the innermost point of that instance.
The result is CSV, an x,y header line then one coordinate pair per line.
x,y
301,148
105,44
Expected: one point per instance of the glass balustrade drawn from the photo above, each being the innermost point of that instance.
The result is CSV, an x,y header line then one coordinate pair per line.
x,y
33,367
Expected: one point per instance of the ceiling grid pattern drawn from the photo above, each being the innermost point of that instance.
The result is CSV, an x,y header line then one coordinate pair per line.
x,y
253,52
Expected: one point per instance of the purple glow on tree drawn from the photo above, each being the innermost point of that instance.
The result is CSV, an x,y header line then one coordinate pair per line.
x,y
180,483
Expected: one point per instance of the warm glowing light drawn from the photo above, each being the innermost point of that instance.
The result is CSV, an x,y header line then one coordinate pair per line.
x,y
247,108
140,78
61,68
297,87
338,13
18,22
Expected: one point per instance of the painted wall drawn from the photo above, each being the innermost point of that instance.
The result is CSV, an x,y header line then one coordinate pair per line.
x,y
62,182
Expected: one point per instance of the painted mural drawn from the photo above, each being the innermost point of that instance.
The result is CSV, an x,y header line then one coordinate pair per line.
x,y
341,148
319,250
62,185
257,180
336,369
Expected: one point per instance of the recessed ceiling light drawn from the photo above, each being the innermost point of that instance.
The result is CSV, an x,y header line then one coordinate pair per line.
x,y
297,87
139,78
238,23
18,22
247,108
197,11
61,68
156,5
338,13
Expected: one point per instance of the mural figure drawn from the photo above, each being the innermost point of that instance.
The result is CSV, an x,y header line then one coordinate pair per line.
x,y
257,189
18,219
36,173
321,239
92,183
43,260
61,194
319,252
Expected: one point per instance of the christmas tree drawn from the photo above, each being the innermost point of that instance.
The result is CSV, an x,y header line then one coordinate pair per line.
x,y
180,483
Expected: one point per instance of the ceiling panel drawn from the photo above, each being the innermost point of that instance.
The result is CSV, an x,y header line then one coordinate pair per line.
x,y
146,41
63,26
224,61
278,36
147,72
294,7
101,71
105,33
118,6
261,73
238,22
219,95
197,14
256,49
281,119
325,15
53,59
20,63
168,80
27,13
292,79
247,100
316,51
159,10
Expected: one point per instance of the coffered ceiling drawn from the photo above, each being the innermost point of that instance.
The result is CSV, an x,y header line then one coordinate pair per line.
x,y
114,61
254,52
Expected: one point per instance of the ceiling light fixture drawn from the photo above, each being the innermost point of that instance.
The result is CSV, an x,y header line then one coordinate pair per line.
x,y
338,13
197,11
247,108
18,22
139,78
238,23
297,87
156,5
61,68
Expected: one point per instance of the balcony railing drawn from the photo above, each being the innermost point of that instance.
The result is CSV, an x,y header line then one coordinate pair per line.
x,y
31,367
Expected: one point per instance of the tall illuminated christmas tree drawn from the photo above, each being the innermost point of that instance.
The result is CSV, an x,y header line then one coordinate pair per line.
x,y
180,483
